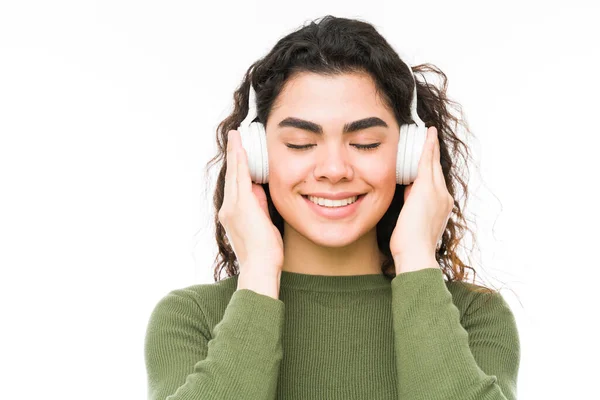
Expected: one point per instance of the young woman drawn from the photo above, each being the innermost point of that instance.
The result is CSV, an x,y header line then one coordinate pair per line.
x,y
328,299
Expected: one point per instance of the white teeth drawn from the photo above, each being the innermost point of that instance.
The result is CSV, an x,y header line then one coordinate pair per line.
x,y
332,203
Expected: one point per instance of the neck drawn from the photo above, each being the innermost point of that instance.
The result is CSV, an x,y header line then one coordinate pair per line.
x,y
301,255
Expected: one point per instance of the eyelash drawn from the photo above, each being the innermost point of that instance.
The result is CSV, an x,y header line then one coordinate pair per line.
x,y
365,147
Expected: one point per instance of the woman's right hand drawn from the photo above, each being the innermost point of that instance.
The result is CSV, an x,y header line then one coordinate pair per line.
x,y
244,214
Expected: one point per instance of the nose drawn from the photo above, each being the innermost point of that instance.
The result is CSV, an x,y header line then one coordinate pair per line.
x,y
333,163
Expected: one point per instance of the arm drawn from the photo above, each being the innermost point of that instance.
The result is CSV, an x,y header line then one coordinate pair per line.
x,y
241,360
438,358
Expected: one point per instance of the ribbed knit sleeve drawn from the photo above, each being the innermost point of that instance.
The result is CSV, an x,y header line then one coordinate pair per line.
x,y
241,361
438,358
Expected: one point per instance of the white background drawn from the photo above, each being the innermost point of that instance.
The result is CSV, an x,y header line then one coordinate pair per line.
x,y
108,112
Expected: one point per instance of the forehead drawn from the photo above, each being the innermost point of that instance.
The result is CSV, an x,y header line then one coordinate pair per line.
x,y
322,95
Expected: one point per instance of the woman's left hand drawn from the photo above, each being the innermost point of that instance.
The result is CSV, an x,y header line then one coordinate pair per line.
x,y
425,213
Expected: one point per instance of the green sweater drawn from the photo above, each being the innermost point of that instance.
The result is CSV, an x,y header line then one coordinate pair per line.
x,y
416,336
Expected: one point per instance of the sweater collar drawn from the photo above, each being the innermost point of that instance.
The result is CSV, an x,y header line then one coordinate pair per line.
x,y
333,283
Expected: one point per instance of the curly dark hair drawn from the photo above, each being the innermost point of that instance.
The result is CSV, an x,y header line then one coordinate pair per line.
x,y
334,46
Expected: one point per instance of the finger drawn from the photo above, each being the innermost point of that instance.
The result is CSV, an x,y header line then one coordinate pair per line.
x,y
424,170
438,173
407,190
244,181
231,171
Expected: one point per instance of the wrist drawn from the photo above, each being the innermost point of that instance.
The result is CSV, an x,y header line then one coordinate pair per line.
x,y
259,281
414,263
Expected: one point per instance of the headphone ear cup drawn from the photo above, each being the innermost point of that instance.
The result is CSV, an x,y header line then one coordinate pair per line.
x,y
246,139
262,157
254,141
401,156
410,149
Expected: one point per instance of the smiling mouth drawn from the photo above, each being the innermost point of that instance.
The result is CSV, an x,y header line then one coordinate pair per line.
x,y
357,198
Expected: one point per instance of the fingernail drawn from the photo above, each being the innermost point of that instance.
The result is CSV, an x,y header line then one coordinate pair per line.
x,y
228,141
433,132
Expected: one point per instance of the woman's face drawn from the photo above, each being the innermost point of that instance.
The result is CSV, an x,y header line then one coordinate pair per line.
x,y
332,163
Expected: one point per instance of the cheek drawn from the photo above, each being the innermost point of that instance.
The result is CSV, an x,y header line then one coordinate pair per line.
x,y
285,179
381,177
283,172
380,172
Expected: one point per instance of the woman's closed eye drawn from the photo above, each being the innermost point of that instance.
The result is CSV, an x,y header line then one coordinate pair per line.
x,y
358,146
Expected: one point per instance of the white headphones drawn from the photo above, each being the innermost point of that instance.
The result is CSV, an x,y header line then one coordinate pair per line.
x,y
410,144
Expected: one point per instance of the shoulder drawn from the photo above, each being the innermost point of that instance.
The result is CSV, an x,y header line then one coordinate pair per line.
x,y
480,305
472,296
206,302
204,293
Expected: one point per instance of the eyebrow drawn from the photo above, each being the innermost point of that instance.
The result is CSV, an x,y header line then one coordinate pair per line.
x,y
318,129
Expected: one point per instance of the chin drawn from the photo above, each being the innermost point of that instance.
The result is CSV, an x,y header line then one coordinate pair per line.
x,y
330,237
334,233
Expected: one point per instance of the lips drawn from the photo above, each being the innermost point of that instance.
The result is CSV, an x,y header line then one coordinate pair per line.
x,y
333,196
335,213
342,198
360,196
